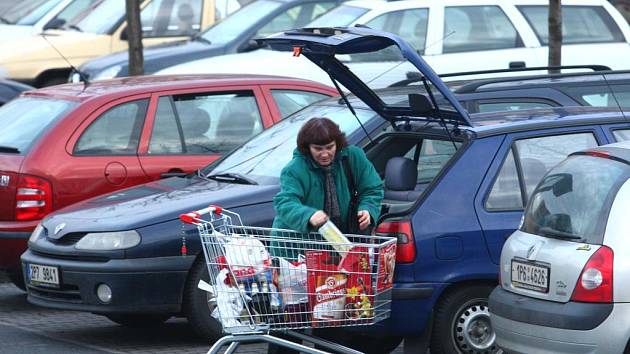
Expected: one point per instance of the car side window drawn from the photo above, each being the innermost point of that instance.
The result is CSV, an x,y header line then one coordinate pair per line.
x,y
115,132
621,134
73,10
291,101
431,157
163,18
471,28
580,24
295,17
204,123
485,107
409,24
534,157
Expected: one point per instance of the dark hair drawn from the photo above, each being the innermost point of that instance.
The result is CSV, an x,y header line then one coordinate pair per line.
x,y
320,131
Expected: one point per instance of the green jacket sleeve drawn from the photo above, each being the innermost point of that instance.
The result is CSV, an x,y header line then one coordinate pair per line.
x,y
370,185
288,202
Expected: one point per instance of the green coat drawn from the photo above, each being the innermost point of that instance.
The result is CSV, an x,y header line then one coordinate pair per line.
x,y
302,189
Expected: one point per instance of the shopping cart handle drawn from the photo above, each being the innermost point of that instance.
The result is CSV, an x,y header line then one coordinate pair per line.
x,y
193,216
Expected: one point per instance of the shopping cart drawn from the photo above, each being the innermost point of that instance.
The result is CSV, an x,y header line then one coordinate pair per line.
x,y
266,280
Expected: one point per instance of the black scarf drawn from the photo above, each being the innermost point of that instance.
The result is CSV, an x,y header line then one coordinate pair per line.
x,y
331,202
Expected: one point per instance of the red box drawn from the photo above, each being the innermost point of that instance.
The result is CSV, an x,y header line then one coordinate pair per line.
x,y
326,288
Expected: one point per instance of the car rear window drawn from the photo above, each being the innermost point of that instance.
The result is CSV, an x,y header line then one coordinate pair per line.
x,y
23,120
573,200
580,24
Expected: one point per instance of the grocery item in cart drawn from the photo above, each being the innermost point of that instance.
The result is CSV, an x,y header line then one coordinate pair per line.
x,y
291,281
326,287
246,256
229,300
336,238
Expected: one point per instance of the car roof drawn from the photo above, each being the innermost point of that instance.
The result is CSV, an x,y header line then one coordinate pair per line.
x,y
383,4
134,85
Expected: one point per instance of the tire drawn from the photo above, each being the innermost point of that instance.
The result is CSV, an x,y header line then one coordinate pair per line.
x,y
17,279
197,305
462,323
138,320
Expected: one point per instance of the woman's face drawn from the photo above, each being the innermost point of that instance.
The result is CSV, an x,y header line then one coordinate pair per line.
x,y
323,154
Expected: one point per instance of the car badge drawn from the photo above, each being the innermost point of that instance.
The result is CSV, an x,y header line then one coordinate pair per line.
x,y
584,248
4,180
59,227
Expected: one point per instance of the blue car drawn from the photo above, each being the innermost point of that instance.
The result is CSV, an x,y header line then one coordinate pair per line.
x,y
455,188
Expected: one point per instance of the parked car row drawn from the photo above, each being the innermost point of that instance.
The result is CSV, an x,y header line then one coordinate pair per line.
x,y
473,175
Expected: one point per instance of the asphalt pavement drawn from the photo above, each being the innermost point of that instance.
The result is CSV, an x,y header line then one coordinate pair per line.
x,y
25,328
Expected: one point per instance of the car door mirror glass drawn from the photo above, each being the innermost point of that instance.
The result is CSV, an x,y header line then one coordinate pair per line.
x,y
124,35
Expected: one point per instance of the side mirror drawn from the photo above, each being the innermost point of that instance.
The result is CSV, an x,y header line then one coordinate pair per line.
x,y
252,44
124,35
420,104
55,24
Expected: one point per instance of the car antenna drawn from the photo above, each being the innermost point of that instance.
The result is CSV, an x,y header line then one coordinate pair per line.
x,y
83,77
614,97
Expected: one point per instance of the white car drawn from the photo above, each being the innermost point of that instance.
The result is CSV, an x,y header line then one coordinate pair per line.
x,y
455,36
565,274
32,17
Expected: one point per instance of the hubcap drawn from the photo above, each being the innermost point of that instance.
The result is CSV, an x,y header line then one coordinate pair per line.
x,y
473,331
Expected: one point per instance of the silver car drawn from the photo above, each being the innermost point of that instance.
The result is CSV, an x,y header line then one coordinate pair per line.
x,y
565,273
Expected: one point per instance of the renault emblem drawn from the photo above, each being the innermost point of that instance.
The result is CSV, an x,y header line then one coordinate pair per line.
x,y
59,227
4,180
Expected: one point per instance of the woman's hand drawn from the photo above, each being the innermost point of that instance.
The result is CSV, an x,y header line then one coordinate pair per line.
x,y
364,219
318,218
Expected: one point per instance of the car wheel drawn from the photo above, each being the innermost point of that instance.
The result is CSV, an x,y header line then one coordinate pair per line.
x,y
138,319
198,304
17,279
462,323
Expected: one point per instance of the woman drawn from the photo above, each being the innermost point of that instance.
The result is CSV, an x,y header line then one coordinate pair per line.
x,y
314,185
315,188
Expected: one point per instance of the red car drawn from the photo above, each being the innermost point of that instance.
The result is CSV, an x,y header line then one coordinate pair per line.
x,y
63,144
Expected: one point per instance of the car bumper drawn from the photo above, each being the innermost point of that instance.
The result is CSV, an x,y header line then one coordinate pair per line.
x,y
144,285
604,327
13,239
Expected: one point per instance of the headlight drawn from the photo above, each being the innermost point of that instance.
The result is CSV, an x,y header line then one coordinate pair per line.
x,y
108,241
108,73
36,233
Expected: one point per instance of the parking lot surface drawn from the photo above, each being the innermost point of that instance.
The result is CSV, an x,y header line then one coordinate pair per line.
x,y
25,328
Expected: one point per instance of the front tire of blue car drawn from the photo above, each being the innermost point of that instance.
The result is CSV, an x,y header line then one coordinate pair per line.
x,y
197,304
462,323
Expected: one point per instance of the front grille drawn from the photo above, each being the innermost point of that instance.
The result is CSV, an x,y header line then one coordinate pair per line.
x,y
71,258
69,239
66,293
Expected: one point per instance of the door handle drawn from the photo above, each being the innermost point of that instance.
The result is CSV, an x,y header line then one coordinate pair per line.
x,y
517,65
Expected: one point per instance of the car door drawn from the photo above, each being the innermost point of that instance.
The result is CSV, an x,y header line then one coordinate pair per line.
x,y
523,159
103,151
190,129
484,36
166,21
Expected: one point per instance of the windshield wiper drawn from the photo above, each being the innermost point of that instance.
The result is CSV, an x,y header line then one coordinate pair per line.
x,y
232,178
9,149
75,27
4,20
547,231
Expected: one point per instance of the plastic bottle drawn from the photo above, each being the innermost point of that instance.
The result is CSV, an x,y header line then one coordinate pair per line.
x,y
337,239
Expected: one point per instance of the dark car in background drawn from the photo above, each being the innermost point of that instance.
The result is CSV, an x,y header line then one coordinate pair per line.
x,y
10,89
231,35
68,143
468,179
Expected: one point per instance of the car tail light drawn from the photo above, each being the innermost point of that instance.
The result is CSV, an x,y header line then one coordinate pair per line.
x,y
33,198
595,283
406,245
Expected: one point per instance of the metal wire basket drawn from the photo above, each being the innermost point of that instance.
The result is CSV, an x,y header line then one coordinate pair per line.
x,y
267,279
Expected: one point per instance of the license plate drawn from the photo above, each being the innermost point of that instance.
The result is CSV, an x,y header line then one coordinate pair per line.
x,y
530,276
43,275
